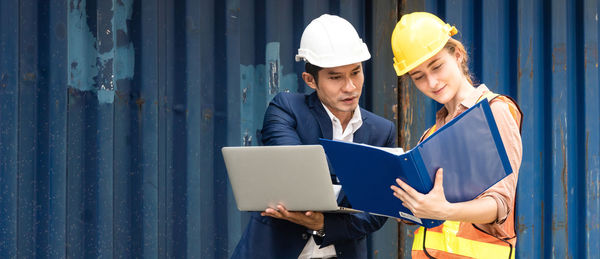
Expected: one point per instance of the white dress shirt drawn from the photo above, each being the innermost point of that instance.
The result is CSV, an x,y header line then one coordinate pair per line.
x,y
311,249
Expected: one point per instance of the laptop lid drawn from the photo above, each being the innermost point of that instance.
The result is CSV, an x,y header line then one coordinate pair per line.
x,y
295,176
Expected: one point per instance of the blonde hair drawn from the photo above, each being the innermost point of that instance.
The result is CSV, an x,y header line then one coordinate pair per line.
x,y
454,45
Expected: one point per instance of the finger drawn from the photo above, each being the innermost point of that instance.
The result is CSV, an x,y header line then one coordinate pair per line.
x,y
283,211
290,215
396,189
439,180
398,192
270,215
405,192
273,213
280,207
401,194
407,199
407,189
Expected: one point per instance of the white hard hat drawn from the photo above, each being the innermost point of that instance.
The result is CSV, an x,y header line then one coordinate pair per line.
x,y
331,41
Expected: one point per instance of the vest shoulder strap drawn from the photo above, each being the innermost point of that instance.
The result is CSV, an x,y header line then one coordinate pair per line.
x,y
513,108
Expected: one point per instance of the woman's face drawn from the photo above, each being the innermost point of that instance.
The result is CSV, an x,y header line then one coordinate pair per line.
x,y
440,77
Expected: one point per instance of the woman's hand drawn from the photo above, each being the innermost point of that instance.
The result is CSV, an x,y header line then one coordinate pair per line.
x,y
432,205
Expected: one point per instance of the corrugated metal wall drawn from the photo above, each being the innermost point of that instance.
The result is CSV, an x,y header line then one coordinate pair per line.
x,y
544,53
113,113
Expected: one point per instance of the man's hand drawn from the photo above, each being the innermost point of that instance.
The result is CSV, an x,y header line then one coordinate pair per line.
x,y
309,219
432,205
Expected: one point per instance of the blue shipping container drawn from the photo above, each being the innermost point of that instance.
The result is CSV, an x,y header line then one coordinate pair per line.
x,y
113,113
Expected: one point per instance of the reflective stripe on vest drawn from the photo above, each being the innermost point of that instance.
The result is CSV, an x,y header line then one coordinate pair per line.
x,y
446,243
463,240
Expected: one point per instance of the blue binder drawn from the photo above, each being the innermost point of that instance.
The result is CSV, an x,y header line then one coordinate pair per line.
x,y
469,148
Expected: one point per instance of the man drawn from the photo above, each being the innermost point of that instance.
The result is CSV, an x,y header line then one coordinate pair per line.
x,y
333,53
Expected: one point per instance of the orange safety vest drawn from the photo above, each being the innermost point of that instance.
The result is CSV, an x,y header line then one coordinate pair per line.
x,y
455,239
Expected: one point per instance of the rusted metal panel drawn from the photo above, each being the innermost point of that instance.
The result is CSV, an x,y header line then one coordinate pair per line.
x,y
9,101
381,92
114,113
591,138
533,101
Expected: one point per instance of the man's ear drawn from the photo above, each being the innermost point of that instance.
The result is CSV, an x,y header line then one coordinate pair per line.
x,y
309,80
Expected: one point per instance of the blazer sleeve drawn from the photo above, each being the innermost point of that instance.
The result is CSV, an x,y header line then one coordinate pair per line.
x,y
279,125
392,136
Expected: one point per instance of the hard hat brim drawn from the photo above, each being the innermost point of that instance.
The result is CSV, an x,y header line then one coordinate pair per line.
x,y
401,71
332,61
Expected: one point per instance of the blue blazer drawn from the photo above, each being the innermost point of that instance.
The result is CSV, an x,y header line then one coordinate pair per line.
x,y
298,119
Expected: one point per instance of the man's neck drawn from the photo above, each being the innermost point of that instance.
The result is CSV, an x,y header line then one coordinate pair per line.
x,y
345,119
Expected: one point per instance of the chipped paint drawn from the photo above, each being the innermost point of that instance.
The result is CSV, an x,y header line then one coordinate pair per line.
x,y
528,62
244,94
272,62
93,67
521,227
590,55
252,81
258,85
530,57
29,77
559,57
82,46
276,81
124,53
3,80
273,76
252,94
564,183
251,78
207,113
247,139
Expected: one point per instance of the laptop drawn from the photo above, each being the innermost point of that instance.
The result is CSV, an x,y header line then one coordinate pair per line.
x,y
295,176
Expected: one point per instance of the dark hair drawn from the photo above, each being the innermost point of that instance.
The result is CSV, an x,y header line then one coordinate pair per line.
x,y
313,70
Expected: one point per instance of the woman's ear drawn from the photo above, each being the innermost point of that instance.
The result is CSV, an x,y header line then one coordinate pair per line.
x,y
459,56
309,80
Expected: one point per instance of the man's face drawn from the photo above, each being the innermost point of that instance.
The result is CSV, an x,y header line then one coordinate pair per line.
x,y
339,88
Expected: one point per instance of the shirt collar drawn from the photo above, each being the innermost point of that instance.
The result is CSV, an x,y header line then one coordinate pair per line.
x,y
356,116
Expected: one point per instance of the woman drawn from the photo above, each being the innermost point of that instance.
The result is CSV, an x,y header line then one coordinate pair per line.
x,y
437,64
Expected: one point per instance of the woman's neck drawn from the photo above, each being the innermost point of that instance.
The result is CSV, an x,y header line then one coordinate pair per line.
x,y
463,92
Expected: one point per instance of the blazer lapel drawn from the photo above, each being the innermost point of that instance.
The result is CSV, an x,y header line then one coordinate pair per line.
x,y
321,115
362,134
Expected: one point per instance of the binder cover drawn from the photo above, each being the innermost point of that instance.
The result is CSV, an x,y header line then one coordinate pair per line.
x,y
469,148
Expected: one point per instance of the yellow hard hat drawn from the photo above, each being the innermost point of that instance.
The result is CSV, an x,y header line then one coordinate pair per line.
x,y
417,37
